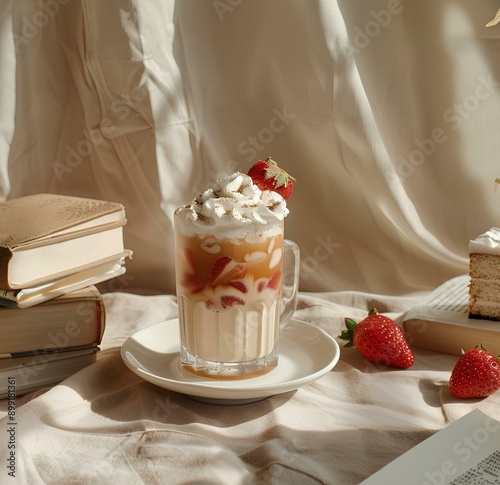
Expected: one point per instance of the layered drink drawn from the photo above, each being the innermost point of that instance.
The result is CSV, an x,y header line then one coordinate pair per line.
x,y
229,268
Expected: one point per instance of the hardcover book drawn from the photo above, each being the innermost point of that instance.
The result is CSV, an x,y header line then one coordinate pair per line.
x,y
28,297
27,373
441,322
46,237
73,320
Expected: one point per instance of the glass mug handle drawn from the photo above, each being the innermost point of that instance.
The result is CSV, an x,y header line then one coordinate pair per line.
x,y
290,285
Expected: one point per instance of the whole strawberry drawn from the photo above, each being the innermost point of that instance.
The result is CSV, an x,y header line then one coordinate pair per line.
x,y
268,176
476,374
379,339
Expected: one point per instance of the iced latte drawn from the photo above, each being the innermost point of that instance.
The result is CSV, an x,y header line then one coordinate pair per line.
x,y
229,270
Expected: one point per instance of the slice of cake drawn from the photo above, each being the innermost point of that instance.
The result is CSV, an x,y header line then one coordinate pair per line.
x,y
484,272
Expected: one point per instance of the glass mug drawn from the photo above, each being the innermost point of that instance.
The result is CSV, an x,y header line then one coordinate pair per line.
x,y
235,295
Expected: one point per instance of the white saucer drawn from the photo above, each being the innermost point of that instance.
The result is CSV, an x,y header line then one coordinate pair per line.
x,y
306,354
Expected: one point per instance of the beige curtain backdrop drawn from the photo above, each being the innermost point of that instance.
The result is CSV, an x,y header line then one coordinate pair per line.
x,y
385,111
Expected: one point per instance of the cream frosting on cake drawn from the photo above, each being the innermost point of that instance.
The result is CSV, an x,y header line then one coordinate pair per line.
x,y
484,271
488,243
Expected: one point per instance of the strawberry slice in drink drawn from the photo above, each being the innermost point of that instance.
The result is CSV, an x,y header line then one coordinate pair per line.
x,y
225,269
261,284
191,283
239,285
189,260
230,300
275,280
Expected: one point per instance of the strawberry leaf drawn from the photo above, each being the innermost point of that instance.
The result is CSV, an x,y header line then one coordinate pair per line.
x,y
350,323
350,342
348,334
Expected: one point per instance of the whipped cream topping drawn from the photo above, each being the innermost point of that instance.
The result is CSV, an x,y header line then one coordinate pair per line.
x,y
489,242
234,203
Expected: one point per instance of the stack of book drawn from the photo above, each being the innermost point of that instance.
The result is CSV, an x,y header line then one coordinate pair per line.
x,y
54,249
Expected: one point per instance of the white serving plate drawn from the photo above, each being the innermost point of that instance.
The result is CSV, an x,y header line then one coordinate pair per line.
x,y
306,354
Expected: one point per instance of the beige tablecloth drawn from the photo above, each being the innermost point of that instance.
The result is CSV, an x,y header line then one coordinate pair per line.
x,y
107,425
